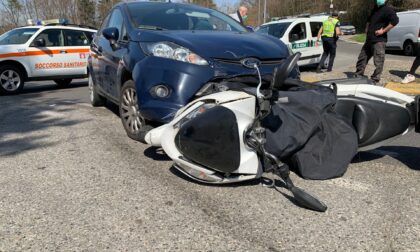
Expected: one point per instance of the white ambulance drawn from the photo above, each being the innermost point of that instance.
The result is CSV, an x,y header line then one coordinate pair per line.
x,y
48,52
299,34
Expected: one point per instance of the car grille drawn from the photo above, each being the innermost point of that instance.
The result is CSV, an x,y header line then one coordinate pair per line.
x,y
263,61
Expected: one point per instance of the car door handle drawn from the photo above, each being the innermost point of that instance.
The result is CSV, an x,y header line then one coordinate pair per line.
x,y
63,51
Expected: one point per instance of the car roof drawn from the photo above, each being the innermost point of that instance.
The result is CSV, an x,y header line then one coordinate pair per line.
x,y
298,19
72,27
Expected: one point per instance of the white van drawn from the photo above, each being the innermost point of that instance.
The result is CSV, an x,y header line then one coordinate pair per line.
x,y
406,35
300,35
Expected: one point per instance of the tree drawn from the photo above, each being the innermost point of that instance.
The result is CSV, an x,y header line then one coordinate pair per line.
x,y
86,12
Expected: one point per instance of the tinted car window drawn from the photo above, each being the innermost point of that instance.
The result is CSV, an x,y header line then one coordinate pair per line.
x,y
315,26
75,38
18,36
52,37
276,30
89,35
180,17
298,32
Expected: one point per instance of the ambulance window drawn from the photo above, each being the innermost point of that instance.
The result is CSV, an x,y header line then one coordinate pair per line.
x,y
76,38
298,32
90,35
315,26
117,21
52,37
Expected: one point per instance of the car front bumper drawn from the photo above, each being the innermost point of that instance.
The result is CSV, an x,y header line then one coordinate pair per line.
x,y
183,80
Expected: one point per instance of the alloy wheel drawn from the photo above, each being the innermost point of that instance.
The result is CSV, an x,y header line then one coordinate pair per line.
x,y
10,80
130,111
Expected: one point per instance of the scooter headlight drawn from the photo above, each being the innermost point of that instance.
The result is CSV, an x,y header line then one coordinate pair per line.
x,y
173,51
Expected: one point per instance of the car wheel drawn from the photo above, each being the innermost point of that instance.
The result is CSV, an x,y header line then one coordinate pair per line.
x,y
134,124
95,98
408,48
11,80
63,82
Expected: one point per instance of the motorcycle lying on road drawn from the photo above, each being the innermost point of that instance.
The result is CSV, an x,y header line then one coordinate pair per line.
x,y
220,138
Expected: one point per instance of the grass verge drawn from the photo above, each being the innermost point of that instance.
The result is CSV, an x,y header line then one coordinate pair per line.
x,y
361,38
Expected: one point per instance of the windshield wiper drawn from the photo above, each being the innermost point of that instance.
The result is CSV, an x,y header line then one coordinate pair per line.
x,y
151,27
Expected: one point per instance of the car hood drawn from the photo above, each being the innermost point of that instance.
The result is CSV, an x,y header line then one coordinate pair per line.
x,y
10,48
347,27
221,45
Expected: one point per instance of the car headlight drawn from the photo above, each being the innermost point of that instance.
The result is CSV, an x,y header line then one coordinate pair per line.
x,y
172,51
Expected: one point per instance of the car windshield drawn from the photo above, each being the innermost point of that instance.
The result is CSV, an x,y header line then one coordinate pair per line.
x,y
166,16
345,23
17,36
277,30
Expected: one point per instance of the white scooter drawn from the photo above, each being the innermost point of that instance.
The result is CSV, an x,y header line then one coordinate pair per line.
x,y
218,138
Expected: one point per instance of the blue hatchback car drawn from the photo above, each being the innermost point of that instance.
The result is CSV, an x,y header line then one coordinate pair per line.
x,y
152,58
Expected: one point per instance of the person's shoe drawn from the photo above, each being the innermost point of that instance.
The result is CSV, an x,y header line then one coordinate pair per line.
x,y
329,70
408,78
318,70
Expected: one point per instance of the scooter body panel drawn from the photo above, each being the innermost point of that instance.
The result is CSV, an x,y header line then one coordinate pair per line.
x,y
243,106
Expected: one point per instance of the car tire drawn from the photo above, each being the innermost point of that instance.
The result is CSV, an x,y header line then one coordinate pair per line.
x,y
408,48
95,98
134,124
12,80
63,82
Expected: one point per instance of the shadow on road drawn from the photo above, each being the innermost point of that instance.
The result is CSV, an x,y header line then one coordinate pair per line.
x,y
24,122
29,89
410,156
156,153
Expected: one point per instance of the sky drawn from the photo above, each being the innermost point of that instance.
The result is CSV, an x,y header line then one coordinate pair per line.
x,y
218,2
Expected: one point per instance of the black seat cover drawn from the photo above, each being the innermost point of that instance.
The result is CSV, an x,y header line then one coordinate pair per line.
x,y
374,121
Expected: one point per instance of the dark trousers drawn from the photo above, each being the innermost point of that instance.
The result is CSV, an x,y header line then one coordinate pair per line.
x,y
330,48
416,62
369,50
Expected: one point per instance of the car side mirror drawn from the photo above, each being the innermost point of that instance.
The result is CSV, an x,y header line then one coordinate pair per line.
x,y
282,73
294,38
111,34
40,42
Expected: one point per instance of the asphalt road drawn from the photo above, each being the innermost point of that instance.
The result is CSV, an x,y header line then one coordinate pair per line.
x,y
71,179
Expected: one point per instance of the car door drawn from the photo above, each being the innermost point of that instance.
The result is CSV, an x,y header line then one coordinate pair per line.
x,y
299,41
77,51
48,54
316,48
96,57
112,54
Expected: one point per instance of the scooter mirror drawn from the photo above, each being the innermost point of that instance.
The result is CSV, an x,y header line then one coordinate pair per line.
x,y
282,73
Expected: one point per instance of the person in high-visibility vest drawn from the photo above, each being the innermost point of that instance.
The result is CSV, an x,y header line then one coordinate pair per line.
x,y
329,32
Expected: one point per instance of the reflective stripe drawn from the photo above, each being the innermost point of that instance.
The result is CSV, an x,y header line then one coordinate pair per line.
x,y
42,52
328,27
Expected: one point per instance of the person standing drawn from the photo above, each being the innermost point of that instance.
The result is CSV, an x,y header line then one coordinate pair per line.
x,y
410,76
381,20
241,15
330,30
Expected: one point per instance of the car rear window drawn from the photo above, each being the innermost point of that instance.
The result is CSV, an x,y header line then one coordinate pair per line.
x,y
277,30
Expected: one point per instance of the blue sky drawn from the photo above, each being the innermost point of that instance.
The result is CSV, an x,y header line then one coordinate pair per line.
x,y
223,1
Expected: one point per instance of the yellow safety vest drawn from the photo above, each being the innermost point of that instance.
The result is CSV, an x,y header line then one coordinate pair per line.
x,y
328,27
